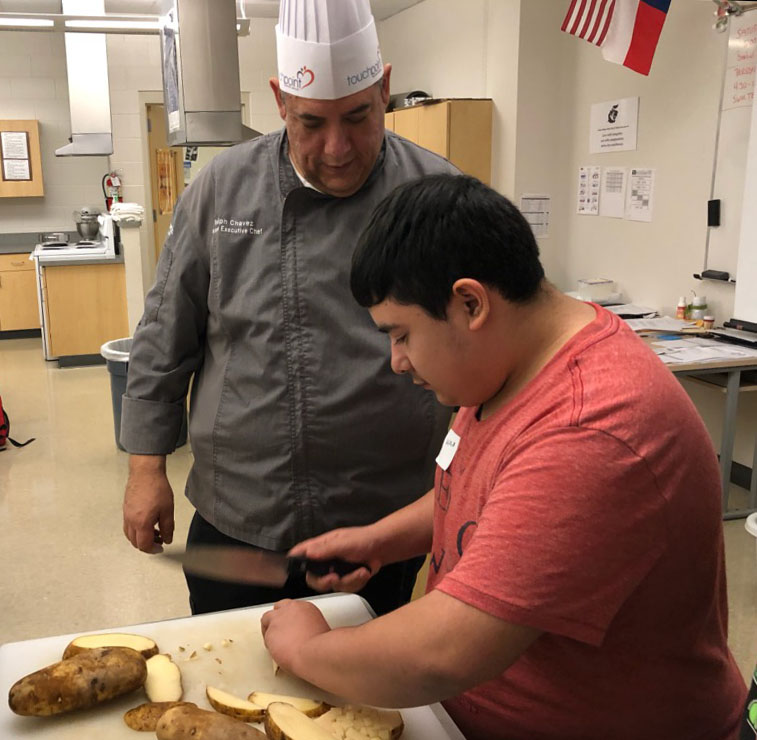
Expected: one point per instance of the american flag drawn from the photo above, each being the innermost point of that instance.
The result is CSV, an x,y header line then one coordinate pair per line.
x,y
589,19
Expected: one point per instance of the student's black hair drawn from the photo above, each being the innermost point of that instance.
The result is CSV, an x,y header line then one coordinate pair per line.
x,y
428,233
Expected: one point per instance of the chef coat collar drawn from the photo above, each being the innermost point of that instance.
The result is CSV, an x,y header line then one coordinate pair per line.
x,y
289,178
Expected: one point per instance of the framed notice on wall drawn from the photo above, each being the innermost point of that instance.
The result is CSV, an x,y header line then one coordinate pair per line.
x,y
20,160
14,151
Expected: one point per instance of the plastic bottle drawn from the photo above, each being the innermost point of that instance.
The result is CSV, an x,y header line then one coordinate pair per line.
x,y
698,309
681,308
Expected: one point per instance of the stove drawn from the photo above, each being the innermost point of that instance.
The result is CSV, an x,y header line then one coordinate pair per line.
x,y
58,251
52,253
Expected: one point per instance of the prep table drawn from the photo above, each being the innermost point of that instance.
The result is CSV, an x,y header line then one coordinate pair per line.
x,y
240,667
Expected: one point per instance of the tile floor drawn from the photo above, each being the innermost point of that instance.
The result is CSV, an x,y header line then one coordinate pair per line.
x,y
68,567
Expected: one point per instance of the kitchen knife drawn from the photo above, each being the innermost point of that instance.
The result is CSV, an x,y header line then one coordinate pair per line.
x,y
247,565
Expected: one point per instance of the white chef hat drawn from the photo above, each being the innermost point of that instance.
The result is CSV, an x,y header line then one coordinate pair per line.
x,y
327,49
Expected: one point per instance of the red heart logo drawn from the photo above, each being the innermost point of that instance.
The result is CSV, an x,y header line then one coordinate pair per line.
x,y
302,74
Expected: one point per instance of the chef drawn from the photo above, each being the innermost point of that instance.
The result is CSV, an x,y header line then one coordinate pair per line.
x,y
297,423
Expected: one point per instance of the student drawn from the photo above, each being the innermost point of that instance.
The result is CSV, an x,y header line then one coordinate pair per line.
x,y
577,584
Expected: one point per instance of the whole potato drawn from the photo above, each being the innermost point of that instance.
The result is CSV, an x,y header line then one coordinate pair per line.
x,y
82,681
144,718
192,723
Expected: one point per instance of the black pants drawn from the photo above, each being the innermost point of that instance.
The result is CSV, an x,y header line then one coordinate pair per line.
x,y
390,588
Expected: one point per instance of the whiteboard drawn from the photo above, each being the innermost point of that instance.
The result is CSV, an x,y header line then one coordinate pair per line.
x,y
745,301
730,166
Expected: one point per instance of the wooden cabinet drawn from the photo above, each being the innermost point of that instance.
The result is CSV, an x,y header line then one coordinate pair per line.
x,y
18,293
459,129
86,307
20,160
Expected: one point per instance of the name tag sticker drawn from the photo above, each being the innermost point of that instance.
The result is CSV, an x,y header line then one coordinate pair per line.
x,y
449,448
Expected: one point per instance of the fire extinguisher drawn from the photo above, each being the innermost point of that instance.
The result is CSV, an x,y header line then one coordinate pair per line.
x,y
111,184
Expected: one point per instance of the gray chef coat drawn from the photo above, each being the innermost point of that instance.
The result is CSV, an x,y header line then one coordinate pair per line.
x,y
297,422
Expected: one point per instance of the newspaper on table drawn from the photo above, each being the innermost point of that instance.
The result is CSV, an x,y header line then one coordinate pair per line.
x,y
699,349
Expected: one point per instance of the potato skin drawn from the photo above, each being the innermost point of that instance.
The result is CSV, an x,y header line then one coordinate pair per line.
x,y
86,679
144,718
192,723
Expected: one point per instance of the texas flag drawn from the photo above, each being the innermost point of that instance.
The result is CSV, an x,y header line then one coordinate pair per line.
x,y
627,30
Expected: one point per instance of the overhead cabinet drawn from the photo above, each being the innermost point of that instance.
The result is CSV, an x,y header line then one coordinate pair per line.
x,y
458,129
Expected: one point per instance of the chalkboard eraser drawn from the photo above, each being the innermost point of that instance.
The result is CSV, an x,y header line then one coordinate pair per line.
x,y
713,212
715,274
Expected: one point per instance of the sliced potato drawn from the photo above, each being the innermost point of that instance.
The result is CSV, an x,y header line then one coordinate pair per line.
x,y
89,678
343,722
193,723
144,718
234,706
309,707
163,679
285,722
141,644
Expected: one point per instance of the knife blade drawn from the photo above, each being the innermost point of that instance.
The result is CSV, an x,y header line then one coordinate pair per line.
x,y
239,564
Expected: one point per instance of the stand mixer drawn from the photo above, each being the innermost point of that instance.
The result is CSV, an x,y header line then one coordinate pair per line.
x,y
86,223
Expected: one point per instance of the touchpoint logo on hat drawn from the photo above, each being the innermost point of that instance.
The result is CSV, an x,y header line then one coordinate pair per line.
x,y
372,70
304,78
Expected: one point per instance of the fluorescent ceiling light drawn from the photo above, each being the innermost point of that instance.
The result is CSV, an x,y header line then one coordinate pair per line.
x,y
115,25
26,22
138,24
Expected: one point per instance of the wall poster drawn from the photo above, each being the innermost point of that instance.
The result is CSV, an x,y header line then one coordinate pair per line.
x,y
613,126
14,152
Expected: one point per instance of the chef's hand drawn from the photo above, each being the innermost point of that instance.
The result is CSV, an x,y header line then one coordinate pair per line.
x,y
354,544
148,504
287,627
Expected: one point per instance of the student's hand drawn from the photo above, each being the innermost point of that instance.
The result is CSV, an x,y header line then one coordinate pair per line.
x,y
288,626
355,544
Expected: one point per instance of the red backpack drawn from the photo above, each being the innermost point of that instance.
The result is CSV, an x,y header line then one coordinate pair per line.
x,y
5,428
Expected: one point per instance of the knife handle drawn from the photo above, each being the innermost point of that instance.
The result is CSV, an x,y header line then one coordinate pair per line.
x,y
324,567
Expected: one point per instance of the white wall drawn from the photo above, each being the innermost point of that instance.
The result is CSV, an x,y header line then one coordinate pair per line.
x,y
653,262
436,46
135,78
33,86
543,83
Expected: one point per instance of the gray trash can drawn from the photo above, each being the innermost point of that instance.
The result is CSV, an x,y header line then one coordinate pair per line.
x,y
116,354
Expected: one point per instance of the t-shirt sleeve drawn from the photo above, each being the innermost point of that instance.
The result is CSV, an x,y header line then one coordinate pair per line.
x,y
572,525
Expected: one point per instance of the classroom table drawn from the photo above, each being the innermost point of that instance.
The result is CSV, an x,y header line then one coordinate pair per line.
x,y
733,369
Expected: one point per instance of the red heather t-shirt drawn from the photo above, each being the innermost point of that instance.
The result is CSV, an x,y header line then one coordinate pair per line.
x,y
589,507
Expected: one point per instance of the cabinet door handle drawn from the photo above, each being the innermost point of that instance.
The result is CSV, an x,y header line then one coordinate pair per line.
x,y
17,264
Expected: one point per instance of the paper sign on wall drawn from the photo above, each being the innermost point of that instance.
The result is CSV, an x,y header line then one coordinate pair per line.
x,y
613,199
588,190
614,125
14,153
535,209
640,194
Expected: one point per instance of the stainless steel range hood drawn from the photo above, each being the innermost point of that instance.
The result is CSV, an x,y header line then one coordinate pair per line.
x,y
88,90
198,43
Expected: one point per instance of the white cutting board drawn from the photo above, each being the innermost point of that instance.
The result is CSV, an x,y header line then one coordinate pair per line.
x,y
241,667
